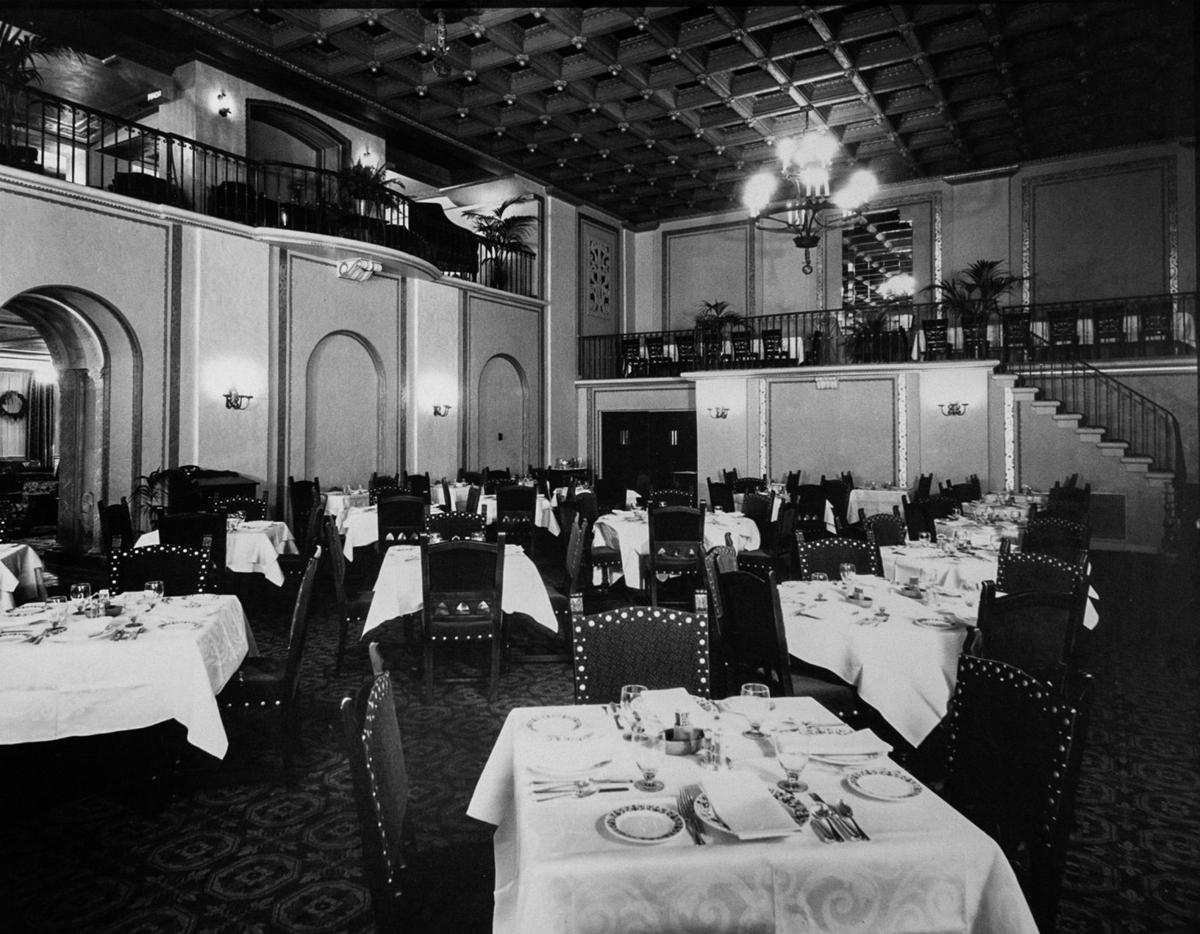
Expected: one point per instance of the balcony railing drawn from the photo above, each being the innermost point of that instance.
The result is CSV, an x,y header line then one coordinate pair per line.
x,y
1122,328
66,140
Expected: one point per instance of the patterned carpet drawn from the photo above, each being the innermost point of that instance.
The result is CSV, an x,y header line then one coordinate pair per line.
x,y
92,844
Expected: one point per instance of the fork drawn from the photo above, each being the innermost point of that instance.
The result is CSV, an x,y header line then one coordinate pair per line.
x,y
686,800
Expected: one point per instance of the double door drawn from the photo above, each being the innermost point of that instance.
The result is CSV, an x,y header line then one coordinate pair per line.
x,y
657,444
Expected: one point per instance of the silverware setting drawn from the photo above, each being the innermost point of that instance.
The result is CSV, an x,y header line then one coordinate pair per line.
x,y
686,802
835,820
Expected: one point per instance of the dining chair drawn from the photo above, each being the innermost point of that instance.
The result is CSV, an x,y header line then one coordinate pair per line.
x,y
720,495
205,531
1061,538
349,610
810,512
917,519
263,684
610,494
595,557
828,554
673,497
838,495
777,546
937,341
255,509
382,490
1041,632
379,778
1023,571
717,560
940,505
887,527
1013,751
116,527
731,476
924,486
401,519
516,505
1015,328
303,497
560,596
747,485
774,353
6,529
462,585
182,570
676,546
474,492
470,477
382,479
654,646
418,485
755,647
757,507
456,526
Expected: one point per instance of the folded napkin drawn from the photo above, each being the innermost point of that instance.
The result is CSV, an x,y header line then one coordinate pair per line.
x,y
662,704
858,743
514,550
746,807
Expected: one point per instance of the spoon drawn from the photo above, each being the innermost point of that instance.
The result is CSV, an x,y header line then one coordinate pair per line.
x,y
847,814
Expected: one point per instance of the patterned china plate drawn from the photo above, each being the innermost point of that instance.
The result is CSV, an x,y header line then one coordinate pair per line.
x,y
180,624
708,817
15,635
558,771
937,622
27,609
883,784
846,759
557,726
201,599
644,823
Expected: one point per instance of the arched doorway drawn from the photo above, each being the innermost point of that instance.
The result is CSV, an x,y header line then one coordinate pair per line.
x,y
98,363
503,414
335,449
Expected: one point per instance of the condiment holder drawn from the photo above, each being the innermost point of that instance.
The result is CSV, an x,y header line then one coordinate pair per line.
x,y
683,741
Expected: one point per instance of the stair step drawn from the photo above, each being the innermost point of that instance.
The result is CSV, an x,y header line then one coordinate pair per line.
x,y
1087,434
1067,420
1160,476
1025,393
1129,459
1045,406
1113,448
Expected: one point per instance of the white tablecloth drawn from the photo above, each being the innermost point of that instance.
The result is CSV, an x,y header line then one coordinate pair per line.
x,y
629,533
398,588
337,504
71,685
362,528
873,501
925,869
253,549
903,670
18,582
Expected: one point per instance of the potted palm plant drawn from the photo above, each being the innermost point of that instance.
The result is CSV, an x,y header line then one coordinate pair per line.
x,y
503,234
366,189
974,295
20,53
715,320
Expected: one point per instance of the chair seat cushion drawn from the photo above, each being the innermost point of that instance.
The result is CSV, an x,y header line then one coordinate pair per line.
x,y
258,680
602,554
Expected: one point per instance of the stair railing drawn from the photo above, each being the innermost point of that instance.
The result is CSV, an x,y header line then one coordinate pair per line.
x,y
1105,402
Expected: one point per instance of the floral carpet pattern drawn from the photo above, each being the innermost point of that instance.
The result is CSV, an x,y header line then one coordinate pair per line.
x,y
92,842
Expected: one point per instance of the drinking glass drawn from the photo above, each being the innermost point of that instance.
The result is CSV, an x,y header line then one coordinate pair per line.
x,y
80,593
818,576
791,742
649,752
59,607
847,572
154,593
629,715
756,704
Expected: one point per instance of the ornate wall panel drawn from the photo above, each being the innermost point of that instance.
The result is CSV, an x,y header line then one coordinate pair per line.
x,y
599,277
712,263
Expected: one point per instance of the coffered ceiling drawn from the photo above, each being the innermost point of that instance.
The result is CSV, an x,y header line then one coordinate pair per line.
x,y
652,113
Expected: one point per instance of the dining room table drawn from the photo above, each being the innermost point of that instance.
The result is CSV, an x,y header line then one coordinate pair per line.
x,y
252,547
603,856
628,531
19,565
152,663
543,510
398,589
339,502
361,528
872,500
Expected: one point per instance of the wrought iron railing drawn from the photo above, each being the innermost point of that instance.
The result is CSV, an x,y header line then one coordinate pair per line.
x,y
59,138
1106,402
1120,328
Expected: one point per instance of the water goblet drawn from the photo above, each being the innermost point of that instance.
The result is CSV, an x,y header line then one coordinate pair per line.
x,y
629,713
818,576
791,742
59,608
153,593
923,539
847,572
80,594
756,703
649,752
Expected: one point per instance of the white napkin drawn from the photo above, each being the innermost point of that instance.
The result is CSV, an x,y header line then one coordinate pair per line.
x,y
858,743
662,704
746,807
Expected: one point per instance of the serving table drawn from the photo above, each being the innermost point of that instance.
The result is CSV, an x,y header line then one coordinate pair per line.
x,y
252,548
629,533
398,587
561,868
81,682
18,574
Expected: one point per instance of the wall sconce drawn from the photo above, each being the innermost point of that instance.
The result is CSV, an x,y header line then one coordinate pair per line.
x,y
827,382
223,107
718,411
441,410
359,269
236,400
953,408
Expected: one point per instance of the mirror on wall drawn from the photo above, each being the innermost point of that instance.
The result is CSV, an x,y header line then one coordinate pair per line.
x,y
874,254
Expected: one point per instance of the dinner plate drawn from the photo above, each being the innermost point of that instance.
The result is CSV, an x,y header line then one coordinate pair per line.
x,y
883,784
15,635
557,726
577,771
937,622
177,624
201,599
845,759
256,525
644,823
27,609
708,817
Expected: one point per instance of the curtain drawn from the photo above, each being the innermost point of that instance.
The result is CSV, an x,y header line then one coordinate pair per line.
x,y
40,423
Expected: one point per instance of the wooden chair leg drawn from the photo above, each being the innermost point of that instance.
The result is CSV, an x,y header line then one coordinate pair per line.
x,y
427,665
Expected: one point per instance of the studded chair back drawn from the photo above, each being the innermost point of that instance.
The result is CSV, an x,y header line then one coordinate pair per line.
x,y
474,491
1025,571
718,559
471,477
1040,632
383,490
720,495
924,486
917,519
888,528
418,485
462,586
940,505
731,475
829,554
758,508
253,508
202,530
515,509
116,527
401,520
937,344
676,544
345,609
964,492
380,781
1061,538
660,498
457,526
182,570
838,495
754,642
654,646
382,479
760,565
1013,748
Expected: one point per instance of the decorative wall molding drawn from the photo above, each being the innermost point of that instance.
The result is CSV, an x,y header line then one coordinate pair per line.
x,y
747,229
1010,440
902,430
599,278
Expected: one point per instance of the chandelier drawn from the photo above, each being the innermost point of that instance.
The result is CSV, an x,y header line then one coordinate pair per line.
x,y
804,163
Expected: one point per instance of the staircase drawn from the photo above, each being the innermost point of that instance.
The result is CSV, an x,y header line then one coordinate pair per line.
x,y
1128,447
